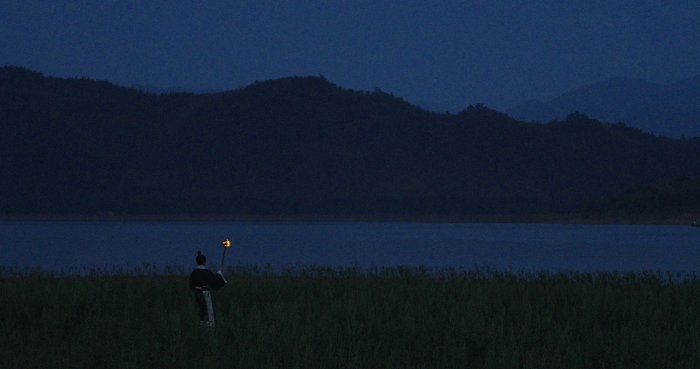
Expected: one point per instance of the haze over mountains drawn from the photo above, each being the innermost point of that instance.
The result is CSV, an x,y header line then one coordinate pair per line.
x,y
671,110
305,147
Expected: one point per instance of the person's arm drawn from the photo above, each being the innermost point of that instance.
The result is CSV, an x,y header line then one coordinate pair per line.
x,y
217,280
221,274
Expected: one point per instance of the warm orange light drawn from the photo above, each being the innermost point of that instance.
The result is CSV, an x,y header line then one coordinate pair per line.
x,y
226,243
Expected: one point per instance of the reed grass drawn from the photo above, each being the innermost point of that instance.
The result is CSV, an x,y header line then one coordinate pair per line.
x,y
316,317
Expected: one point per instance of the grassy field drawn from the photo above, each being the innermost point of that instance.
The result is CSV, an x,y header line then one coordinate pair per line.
x,y
349,318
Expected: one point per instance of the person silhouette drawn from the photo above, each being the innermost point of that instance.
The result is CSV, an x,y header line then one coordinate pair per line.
x,y
202,281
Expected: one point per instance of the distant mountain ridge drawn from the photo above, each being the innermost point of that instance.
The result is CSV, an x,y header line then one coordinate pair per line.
x,y
304,147
671,110
173,90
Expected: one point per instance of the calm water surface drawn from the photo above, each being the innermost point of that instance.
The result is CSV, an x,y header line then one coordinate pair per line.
x,y
519,247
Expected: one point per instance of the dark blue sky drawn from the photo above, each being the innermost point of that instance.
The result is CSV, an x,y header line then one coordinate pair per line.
x,y
442,55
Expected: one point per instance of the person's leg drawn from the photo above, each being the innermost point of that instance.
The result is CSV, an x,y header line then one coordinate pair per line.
x,y
209,309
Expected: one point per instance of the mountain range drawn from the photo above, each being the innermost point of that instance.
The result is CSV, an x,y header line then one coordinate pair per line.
x,y
305,147
671,110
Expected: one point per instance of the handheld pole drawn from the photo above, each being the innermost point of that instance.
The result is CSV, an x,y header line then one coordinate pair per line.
x,y
226,244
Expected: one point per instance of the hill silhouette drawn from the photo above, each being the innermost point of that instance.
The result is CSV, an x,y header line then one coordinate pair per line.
x,y
304,147
669,110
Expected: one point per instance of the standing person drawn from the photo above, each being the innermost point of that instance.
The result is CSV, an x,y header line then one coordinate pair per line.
x,y
202,281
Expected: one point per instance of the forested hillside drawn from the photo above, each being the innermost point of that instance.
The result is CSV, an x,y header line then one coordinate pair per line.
x,y
304,147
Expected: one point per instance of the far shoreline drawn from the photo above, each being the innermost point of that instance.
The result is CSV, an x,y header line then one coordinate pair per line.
x,y
681,220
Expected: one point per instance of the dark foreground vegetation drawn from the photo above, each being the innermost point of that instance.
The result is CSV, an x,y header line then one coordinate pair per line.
x,y
347,318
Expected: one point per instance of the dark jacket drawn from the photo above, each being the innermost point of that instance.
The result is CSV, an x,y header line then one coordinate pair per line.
x,y
202,279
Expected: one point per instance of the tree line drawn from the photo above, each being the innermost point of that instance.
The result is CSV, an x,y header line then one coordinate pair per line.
x,y
305,147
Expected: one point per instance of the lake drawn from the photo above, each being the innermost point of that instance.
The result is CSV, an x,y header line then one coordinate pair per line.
x,y
81,245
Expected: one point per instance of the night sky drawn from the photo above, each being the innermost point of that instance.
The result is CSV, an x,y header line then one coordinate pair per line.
x,y
442,55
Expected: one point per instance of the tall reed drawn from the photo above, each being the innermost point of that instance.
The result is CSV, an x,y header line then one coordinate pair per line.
x,y
320,317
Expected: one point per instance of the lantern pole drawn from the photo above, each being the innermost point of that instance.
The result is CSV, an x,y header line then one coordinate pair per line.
x,y
226,244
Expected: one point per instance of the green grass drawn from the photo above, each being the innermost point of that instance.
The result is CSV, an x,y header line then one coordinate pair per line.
x,y
348,318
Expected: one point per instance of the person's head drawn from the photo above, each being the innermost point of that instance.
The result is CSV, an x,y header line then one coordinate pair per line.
x,y
201,259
